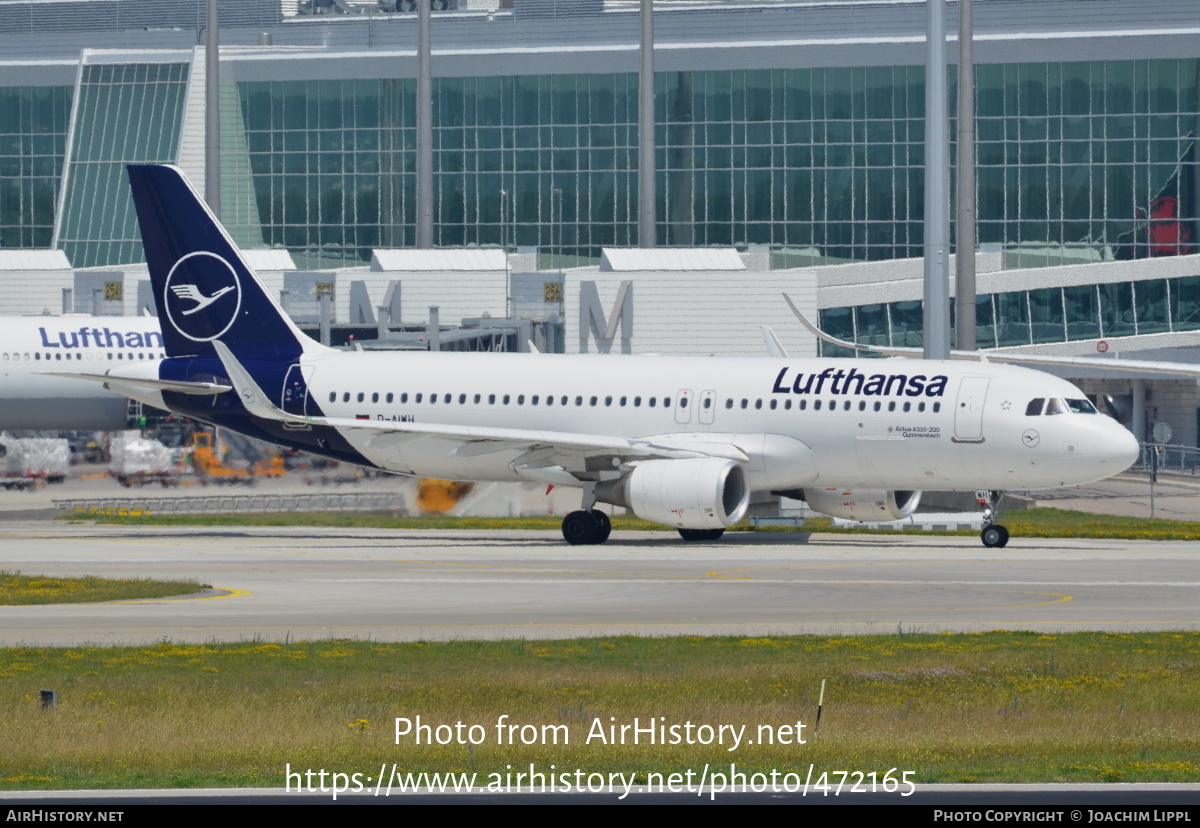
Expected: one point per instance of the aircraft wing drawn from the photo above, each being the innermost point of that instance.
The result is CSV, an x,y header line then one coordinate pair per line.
x,y
542,448
1173,369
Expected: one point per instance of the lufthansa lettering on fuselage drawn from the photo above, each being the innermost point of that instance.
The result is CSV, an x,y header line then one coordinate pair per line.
x,y
841,381
103,338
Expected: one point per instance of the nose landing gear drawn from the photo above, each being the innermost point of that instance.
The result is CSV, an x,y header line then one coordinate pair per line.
x,y
993,535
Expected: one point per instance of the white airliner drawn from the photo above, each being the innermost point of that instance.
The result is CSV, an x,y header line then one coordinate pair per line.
x,y
33,346
679,441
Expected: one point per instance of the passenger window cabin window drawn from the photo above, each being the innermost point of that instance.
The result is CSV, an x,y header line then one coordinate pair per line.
x,y
446,399
729,403
333,396
1035,407
433,399
920,406
520,399
891,406
708,403
653,400
563,401
375,396
505,400
816,405
477,398
346,397
360,396
608,400
745,402
390,397
758,405
549,399
862,405
787,404
623,400
534,400
462,399
908,406
878,405
666,402
491,399
937,406
592,400
579,400
404,396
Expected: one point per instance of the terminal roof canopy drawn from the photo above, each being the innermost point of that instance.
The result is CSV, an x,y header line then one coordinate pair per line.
x,y
424,261
26,259
640,259
269,259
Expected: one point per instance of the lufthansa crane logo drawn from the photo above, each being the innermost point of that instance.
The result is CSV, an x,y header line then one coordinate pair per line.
x,y
203,296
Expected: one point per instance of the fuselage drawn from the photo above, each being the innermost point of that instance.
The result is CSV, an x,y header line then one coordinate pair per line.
x,y
30,346
865,423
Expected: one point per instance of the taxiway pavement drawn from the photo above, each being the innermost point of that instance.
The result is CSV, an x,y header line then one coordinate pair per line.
x,y
394,585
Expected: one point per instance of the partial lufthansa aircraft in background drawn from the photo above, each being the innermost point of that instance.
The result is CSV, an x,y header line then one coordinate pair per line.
x,y
680,441
33,346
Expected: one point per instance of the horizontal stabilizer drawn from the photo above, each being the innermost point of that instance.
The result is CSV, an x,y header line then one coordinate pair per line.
x,y
201,388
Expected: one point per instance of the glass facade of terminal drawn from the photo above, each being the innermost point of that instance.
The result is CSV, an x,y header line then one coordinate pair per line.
x,y
1030,317
33,139
126,114
825,160
1076,161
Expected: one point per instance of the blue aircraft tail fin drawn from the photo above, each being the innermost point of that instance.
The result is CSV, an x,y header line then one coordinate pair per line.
x,y
203,288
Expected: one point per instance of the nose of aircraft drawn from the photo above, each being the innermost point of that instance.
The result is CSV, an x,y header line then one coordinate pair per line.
x,y
1118,447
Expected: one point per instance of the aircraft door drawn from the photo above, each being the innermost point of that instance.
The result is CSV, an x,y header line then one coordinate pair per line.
x,y
295,390
968,410
708,407
683,407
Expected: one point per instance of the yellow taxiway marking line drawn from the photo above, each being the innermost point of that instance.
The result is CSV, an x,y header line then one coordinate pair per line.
x,y
230,592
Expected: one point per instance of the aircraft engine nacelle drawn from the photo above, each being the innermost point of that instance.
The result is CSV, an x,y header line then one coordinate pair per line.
x,y
704,493
863,504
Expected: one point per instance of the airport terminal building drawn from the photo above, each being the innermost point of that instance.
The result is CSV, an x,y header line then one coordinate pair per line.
x,y
789,155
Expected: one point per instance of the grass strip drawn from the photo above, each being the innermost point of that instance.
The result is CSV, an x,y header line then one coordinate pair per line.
x,y
997,707
16,588
1033,523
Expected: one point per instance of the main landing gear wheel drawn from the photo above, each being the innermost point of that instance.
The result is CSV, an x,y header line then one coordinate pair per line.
x,y
701,534
586,527
604,525
994,535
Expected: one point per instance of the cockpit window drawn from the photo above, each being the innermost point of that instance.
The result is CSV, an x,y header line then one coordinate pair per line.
x,y
1056,406
1082,406
1035,407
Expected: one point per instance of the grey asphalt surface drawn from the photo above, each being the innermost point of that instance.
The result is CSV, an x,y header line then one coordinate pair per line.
x,y
394,585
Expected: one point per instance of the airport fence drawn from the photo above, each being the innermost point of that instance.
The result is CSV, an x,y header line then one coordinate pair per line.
x,y
232,504
1171,459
